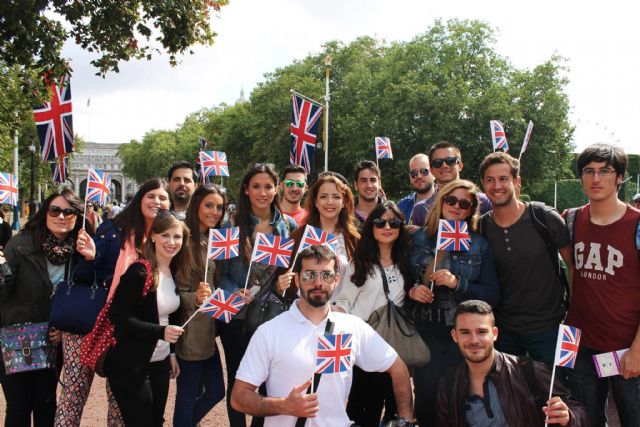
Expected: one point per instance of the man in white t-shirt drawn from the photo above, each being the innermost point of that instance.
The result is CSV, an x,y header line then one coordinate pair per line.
x,y
282,353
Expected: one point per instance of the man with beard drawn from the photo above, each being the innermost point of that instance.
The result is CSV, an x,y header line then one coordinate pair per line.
x,y
369,193
282,353
182,184
532,292
293,185
497,389
421,180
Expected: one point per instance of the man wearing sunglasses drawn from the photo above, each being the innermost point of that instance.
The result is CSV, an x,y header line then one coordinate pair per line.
x,y
283,351
446,163
293,185
421,181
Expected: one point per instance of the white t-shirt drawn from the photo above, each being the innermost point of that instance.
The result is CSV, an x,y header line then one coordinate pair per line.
x,y
282,353
168,302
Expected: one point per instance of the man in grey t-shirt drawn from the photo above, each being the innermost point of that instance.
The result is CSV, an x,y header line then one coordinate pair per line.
x,y
532,297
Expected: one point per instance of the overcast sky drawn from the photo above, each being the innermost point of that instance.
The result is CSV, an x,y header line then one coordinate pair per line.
x,y
599,39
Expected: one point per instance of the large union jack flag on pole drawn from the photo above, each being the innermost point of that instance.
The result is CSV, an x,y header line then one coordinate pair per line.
x,y
8,189
498,136
224,243
333,354
98,184
567,346
272,250
383,147
222,305
213,163
54,121
60,169
304,131
315,236
453,236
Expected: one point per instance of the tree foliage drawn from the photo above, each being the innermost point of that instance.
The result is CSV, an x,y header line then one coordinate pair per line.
x,y
32,32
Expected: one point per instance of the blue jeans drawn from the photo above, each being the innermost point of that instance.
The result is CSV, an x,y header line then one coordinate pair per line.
x,y
586,387
200,386
540,346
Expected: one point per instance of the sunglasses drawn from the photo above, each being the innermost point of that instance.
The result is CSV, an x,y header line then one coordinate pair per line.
x,y
290,183
413,173
55,211
393,223
450,161
452,200
326,276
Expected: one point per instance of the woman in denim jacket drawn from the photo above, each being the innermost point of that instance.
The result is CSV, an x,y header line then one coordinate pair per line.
x,y
257,211
458,276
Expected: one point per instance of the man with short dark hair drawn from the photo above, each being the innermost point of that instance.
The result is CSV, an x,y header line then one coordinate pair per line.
x,y
182,184
605,304
293,185
532,291
369,193
421,181
282,354
497,389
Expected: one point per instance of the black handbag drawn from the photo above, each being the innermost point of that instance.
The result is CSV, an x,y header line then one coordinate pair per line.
x,y
75,304
265,306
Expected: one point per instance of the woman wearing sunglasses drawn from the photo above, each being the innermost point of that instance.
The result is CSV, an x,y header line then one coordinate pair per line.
x,y
382,249
42,255
458,276
200,385
118,244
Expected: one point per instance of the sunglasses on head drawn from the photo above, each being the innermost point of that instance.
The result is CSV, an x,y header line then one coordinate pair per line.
x,y
290,183
450,161
163,213
55,211
413,173
393,223
452,200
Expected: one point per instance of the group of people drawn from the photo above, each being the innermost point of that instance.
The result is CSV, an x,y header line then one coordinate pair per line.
x,y
489,315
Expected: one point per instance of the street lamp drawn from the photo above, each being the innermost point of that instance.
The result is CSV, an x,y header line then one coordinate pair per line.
x,y
32,202
327,67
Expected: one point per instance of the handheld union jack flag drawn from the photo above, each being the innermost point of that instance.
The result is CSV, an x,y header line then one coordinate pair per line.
x,y
333,354
60,169
224,243
8,189
222,305
54,121
383,148
304,131
203,143
527,136
272,250
567,346
214,163
498,136
315,236
453,236
98,184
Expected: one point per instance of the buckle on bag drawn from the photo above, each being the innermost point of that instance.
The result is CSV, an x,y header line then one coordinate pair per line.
x,y
26,352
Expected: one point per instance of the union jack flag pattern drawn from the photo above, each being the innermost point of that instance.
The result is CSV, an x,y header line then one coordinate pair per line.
x,y
498,136
214,163
304,131
383,148
60,169
98,184
453,236
222,305
224,243
527,136
567,346
272,250
333,354
54,122
8,189
315,236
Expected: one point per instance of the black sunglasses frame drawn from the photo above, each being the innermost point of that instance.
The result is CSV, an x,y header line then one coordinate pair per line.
x,y
55,211
452,200
450,161
414,173
394,223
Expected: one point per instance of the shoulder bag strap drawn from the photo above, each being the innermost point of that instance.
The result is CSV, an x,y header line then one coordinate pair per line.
x,y
328,330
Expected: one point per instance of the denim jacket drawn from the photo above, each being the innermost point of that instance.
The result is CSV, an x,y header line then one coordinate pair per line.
x,y
234,270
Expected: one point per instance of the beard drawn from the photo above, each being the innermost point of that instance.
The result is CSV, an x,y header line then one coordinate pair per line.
x,y
316,300
425,189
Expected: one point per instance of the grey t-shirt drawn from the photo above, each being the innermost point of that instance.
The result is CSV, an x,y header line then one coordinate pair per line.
x,y
485,411
531,294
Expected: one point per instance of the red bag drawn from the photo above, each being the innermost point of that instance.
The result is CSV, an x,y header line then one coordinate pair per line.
x,y
96,344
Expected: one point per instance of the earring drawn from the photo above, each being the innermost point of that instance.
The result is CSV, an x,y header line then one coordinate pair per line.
x,y
153,241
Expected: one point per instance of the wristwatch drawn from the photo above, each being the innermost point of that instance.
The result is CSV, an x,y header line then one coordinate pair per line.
x,y
402,422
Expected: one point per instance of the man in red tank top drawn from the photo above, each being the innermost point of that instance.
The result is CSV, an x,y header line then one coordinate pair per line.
x,y
605,303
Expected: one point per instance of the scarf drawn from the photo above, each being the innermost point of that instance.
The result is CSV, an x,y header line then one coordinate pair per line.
x,y
58,252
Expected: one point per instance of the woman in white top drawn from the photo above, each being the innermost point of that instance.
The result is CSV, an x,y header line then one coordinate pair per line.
x,y
142,361
382,249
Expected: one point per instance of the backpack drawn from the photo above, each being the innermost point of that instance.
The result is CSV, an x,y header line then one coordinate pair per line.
x,y
570,216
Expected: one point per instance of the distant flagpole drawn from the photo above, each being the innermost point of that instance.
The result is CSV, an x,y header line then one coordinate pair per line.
x,y
327,67
86,191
